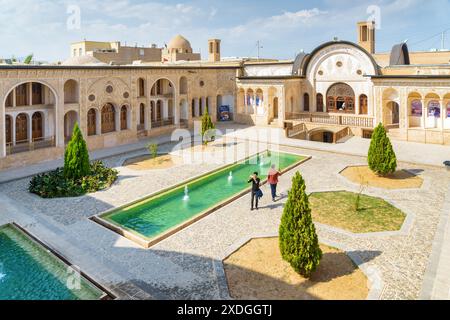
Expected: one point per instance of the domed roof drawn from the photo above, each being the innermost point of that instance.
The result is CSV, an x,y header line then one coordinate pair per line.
x,y
83,61
179,42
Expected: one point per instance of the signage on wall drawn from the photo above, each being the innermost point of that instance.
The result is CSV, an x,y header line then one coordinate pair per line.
x,y
224,113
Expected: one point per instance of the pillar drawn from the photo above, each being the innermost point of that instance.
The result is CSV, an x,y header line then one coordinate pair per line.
x,y
3,132
424,114
59,115
30,93
30,128
443,113
176,110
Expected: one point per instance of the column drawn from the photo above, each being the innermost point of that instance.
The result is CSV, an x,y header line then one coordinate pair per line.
x,y
30,128
146,116
98,122
14,103
357,104
197,108
13,129
3,131
176,109
424,114
30,93
443,113
59,116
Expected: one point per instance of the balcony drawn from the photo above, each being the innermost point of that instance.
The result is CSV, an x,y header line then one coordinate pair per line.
x,y
332,119
163,123
26,146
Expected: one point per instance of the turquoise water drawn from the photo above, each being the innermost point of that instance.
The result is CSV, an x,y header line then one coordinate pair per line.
x,y
29,272
164,212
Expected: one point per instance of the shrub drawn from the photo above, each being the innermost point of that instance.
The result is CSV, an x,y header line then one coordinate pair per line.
x,y
208,129
76,157
381,157
153,149
55,184
299,244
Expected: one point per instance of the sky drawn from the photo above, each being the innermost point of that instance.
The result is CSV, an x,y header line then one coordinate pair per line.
x,y
284,27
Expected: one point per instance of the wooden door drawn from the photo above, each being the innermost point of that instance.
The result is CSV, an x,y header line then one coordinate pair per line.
x,y
21,128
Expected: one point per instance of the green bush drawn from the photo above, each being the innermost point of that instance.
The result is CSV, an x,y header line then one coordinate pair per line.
x,y
299,244
54,184
381,157
76,157
153,149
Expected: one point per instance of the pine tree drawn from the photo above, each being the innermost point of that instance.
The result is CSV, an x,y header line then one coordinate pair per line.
x,y
299,244
76,157
381,157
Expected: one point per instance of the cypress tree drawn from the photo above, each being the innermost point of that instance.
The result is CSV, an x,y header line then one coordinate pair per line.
x,y
381,157
207,127
299,244
76,157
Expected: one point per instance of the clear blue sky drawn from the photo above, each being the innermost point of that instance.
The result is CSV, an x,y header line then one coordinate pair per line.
x,y
284,27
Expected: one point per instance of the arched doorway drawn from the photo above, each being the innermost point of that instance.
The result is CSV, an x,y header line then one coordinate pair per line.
x,y
341,98
319,102
394,113
22,128
108,118
141,125
275,108
8,124
184,114
363,109
141,87
37,122
92,122
183,85
71,92
159,110
124,118
70,119
306,102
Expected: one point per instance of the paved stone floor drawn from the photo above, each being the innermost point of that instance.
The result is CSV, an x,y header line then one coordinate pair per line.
x,y
187,265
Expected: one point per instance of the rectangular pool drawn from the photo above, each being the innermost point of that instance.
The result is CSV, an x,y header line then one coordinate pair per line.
x,y
30,272
171,210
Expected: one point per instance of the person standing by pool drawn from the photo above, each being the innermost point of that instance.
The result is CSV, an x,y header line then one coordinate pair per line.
x,y
273,181
256,184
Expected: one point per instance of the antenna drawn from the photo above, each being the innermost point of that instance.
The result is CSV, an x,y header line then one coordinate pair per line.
x,y
443,41
258,45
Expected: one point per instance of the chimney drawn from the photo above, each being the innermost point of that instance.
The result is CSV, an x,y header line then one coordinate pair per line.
x,y
366,35
214,50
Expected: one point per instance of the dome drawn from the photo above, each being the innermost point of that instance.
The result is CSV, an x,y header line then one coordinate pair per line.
x,y
179,42
83,61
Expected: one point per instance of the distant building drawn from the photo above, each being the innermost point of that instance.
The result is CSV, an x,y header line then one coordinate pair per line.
x,y
115,53
179,49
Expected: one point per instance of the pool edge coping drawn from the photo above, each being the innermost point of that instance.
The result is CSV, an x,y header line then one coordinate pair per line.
x,y
106,293
147,243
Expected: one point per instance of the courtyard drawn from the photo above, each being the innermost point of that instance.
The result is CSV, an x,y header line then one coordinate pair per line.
x,y
189,263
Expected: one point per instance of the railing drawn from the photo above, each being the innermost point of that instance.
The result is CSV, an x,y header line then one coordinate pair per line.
x,y
295,130
163,122
334,119
25,145
342,134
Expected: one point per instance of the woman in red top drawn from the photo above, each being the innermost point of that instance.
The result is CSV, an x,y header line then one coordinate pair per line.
x,y
273,181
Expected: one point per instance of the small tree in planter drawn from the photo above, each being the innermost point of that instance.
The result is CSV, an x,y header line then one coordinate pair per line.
x,y
299,244
381,157
153,149
76,157
208,128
